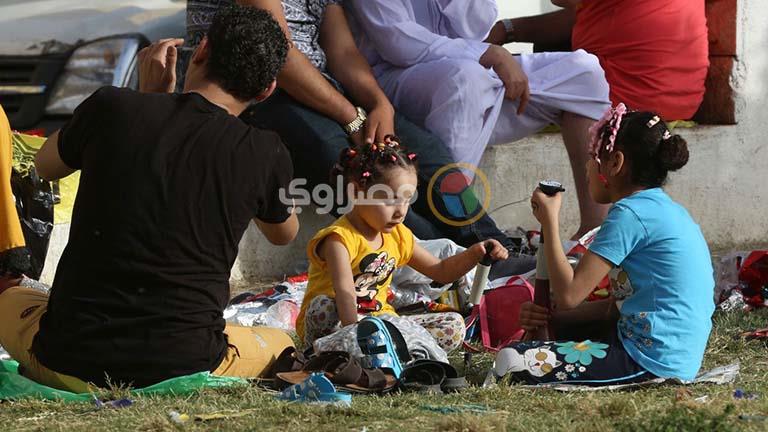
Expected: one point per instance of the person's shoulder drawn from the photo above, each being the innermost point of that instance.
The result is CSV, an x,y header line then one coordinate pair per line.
x,y
341,230
266,143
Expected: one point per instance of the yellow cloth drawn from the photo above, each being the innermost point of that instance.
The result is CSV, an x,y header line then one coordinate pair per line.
x,y
24,149
251,349
371,269
11,235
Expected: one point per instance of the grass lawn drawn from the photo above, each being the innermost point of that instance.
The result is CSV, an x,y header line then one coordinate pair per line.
x,y
665,408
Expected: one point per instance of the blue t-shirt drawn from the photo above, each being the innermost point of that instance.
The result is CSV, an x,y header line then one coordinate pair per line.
x,y
663,282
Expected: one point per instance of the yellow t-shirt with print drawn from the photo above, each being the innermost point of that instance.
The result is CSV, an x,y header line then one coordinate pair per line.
x,y
371,269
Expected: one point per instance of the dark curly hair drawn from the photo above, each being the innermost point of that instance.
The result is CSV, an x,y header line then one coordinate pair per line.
x,y
247,50
369,164
649,148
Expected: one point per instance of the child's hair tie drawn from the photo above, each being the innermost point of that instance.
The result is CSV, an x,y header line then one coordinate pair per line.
x,y
666,135
411,156
366,174
603,132
394,158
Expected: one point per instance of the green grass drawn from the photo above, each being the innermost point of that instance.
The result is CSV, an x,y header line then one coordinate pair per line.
x,y
664,408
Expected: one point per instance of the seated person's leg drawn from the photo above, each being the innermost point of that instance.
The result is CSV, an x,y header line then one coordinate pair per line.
x,y
432,157
447,328
454,99
568,89
252,350
20,313
321,319
583,363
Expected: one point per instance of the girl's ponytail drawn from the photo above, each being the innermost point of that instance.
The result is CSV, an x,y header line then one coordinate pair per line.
x,y
672,153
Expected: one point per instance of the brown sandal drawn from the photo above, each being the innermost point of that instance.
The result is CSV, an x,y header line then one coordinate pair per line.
x,y
343,371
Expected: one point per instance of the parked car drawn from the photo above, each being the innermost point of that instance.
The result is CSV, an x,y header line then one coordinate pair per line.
x,y
55,53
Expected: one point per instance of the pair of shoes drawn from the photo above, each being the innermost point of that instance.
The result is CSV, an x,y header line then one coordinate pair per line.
x,y
341,369
316,388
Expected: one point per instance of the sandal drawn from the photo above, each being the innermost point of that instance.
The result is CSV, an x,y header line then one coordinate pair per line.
x,y
343,371
424,377
377,344
289,360
426,372
316,388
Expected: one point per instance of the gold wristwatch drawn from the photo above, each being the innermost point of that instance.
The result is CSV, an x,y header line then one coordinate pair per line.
x,y
356,124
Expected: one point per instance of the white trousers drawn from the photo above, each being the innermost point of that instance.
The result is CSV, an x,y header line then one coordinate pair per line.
x,y
463,103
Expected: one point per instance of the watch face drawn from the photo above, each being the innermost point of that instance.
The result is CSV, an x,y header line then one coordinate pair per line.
x,y
551,187
550,184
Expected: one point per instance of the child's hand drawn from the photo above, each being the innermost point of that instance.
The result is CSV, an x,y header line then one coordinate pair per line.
x,y
546,208
498,252
533,316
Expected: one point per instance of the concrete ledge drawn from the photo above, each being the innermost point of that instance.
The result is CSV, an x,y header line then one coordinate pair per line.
x,y
713,186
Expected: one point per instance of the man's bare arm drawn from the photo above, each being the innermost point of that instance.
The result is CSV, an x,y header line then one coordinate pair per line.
x,y
547,29
351,69
281,233
48,163
301,79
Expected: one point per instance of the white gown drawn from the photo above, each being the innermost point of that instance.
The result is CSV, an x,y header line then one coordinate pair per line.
x,y
425,55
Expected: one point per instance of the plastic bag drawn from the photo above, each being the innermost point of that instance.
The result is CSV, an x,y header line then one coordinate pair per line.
x,y
14,386
280,315
277,307
741,280
34,201
409,286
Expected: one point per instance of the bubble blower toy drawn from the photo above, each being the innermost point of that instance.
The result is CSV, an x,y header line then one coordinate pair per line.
x,y
481,277
541,286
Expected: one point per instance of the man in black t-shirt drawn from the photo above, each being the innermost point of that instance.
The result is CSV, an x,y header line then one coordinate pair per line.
x,y
168,185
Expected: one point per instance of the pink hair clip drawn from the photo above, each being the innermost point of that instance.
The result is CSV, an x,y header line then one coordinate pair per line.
x,y
394,159
367,174
612,119
411,156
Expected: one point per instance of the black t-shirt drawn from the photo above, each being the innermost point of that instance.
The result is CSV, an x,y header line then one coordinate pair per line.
x,y
168,186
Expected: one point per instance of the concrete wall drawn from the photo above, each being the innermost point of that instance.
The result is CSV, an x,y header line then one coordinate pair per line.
x,y
725,184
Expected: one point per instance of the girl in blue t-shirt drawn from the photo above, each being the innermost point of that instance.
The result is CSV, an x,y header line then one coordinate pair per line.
x,y
653,252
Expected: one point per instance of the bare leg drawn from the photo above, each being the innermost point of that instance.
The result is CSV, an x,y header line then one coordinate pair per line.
x,y
575,135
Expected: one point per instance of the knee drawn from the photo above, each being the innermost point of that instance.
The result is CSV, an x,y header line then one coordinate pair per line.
x,y
591,71
466,79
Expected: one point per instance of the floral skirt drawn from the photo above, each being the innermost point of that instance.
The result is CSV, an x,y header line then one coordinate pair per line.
x,y
583,363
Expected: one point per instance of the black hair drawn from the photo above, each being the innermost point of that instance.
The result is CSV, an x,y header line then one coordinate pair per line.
x,y
247,50
369,164
649,148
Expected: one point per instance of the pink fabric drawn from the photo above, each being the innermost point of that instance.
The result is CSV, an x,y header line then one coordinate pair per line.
x,y
654,52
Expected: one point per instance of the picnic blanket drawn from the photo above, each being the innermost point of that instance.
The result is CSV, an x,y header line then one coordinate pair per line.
x,y
14,386
719,375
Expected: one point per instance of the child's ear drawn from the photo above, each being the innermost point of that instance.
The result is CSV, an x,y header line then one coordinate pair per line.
x,y
616,163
